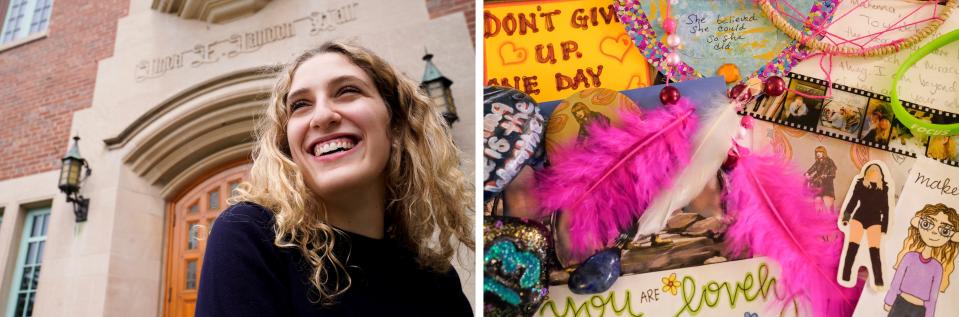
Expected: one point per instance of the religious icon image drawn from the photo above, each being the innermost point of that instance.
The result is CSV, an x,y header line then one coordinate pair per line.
x,y
584,117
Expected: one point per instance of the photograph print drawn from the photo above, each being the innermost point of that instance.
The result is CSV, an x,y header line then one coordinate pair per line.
x,y
904,139
803,103
843,114
877,127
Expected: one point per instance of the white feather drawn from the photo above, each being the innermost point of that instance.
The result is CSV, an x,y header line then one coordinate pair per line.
x,y
712,142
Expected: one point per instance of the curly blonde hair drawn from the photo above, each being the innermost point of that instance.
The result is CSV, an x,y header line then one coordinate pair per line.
x,y
945,254
428,197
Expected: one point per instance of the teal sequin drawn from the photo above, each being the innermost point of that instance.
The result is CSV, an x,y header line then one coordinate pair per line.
x,y
504,293
512,259
516,253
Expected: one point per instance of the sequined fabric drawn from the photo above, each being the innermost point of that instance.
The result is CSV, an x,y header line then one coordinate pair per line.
x,y
516,256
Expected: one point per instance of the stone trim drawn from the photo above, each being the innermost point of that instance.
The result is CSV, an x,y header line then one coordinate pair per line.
x,y
187,95
211,11
222,157
213,124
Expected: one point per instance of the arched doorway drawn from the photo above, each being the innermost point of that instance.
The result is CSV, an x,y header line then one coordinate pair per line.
x,y
191,217
179,151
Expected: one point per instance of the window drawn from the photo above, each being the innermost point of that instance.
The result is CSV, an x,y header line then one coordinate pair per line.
x,y
25,17
29,258
191,274
233,186
193,236
214,200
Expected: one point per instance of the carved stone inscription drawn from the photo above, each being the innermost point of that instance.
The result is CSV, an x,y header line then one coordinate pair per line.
x,y
246,42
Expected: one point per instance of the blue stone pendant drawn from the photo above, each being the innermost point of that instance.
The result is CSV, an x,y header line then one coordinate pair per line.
x,y
597,273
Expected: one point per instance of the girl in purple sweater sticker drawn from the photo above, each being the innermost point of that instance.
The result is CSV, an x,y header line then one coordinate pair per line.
x,y
925,262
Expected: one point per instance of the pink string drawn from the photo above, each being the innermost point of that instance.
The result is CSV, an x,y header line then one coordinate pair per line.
x,y
844,15
897,22
799,16
669,74
863,47
825,59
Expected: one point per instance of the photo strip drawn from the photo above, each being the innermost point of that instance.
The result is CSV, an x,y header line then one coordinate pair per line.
x,y
843,114
855,115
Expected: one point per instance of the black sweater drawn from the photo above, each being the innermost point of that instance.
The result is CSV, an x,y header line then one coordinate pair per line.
x,y
245,274
872,203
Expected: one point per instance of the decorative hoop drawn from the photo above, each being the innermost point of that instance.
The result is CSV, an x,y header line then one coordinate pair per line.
x,y
878,50
904,117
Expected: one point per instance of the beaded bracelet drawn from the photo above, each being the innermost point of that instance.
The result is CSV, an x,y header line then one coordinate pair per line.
x,y
878,50
902,115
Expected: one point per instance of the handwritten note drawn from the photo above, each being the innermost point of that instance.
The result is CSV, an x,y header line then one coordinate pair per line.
x,y
932,82
551,50
718,33
723,289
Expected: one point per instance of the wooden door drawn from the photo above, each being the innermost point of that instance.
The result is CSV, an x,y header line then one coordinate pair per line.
x,y
192,217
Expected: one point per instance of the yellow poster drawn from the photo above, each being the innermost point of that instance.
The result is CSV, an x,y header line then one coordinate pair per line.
x,y
551,49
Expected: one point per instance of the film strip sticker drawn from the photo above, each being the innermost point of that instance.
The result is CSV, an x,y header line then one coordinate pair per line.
x,y
854,115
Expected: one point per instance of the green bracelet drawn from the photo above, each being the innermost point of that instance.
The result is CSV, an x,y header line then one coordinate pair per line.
x,y
914,124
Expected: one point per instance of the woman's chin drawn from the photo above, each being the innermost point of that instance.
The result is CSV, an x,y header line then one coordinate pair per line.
x,y
343,182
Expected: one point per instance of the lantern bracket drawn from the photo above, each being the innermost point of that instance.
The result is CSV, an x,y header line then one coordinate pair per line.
x,y
80,206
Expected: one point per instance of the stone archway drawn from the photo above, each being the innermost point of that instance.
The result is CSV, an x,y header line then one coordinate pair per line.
x,y
197,130
167,151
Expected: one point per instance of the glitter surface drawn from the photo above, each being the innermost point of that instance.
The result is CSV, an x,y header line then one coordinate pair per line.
x,y
515,261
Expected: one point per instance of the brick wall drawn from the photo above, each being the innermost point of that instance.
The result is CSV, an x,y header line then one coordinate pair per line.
x,y
45,81
438,8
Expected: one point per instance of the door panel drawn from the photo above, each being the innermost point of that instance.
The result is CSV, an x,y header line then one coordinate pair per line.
x,y
192,217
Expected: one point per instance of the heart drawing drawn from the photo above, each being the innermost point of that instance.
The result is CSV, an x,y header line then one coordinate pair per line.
x,y
511,55
899,158
617,47
636,81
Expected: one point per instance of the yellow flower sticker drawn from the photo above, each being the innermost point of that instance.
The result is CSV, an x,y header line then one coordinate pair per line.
x,y
670,284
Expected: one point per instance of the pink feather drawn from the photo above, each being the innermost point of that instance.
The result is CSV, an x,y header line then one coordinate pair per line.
x,y
774,215
607,182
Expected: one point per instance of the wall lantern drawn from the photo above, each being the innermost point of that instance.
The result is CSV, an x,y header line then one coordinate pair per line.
x,y
437,87
71,175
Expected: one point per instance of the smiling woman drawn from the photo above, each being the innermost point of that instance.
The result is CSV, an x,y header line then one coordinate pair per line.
x,y
355,203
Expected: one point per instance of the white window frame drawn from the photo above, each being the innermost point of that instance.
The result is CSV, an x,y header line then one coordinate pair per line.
x,y
25,240
28,17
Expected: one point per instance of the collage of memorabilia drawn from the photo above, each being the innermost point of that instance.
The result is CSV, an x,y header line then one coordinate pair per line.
x,y
720,158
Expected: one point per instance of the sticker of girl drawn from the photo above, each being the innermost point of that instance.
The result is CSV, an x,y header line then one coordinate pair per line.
x,y
821,175
866,210
925,263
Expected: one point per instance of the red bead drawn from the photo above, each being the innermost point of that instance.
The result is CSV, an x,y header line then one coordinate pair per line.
x,y
730,162
739,92
669,95
746,122
774,86
669,26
